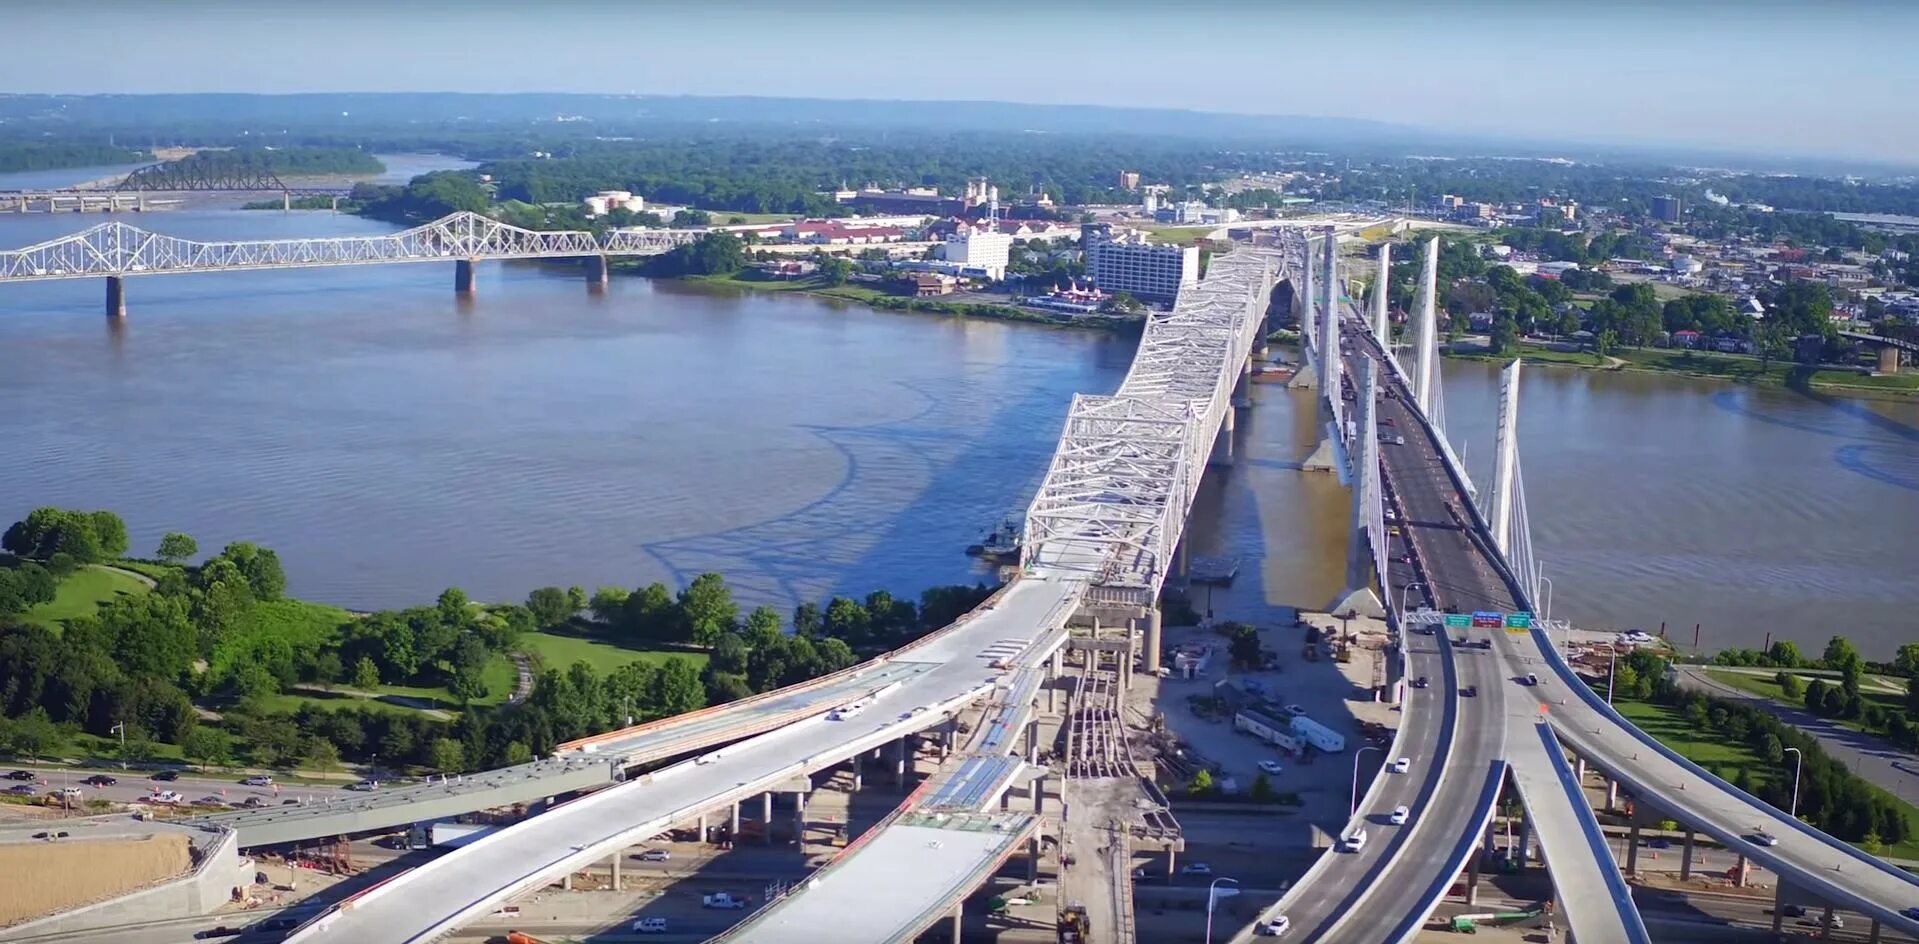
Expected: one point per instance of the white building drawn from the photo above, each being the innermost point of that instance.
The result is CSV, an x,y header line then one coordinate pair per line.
x,y
1142,269
606,201
979,249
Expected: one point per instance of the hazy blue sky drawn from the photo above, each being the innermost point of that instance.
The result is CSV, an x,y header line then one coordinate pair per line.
x,y
1819,77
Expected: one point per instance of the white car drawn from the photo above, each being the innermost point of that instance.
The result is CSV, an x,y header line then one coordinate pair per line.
x,y
650,926
1196,868
1295,710
1270,766
1402,765
1400,815
1276,927
258,780
1765,838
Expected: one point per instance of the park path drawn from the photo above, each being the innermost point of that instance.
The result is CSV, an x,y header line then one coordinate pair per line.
x,y
143,579
1886,767
522,678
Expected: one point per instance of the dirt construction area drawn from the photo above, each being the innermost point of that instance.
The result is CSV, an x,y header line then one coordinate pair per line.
x,y
47,877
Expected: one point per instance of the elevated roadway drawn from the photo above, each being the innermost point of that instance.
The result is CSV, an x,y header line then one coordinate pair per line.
x,y
1595,904
472,880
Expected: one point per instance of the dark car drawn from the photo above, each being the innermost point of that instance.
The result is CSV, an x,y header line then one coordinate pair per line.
x,y
101,780
166,775
23,775
220,931
1419,682
1793,911
22,790
1469,691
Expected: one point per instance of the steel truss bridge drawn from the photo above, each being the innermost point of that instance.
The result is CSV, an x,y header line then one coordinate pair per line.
x,y
117,250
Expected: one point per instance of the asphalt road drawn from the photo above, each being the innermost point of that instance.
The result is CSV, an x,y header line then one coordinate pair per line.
x,y
136,784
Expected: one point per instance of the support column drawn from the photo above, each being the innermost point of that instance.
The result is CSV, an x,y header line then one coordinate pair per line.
x,y
1632,846
1172,857
766,818
1525,841
734,835
702,828
1059,667
596,270
799,818
899,765
1778,907
1032,858
1472,875
1579,772
1612,794
859,775
1888,360
567,882
1039,794
286,201
1151,643
1032,741
617,856
1426,371
958,911
1872,932
463,277
116,297
1739,873
1685,858
1825,924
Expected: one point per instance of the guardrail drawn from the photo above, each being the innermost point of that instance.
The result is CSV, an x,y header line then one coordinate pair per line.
x,y
1595,840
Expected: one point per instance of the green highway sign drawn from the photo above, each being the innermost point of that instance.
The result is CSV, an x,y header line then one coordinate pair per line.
x,y
1519,620
1458,620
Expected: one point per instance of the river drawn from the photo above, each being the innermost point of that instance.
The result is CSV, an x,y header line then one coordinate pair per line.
x,y
390,440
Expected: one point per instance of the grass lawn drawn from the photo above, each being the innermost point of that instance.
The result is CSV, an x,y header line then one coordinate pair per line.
x,y
1844,378
301,622
1538,355
1702,364
731,218
1705,749
558,651
81,593
152,569
1765,687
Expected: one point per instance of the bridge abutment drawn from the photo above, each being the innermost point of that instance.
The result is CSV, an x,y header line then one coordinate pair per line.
x,y
1888,359
463,279
116,297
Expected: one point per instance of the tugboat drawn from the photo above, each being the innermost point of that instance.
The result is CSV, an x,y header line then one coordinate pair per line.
x,y
1002,540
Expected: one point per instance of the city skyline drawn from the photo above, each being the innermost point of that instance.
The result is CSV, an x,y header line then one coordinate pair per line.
x,y
1631,75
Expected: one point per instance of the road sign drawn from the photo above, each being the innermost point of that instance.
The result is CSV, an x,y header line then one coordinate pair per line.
x,y
1488,619
1458,621
1519,620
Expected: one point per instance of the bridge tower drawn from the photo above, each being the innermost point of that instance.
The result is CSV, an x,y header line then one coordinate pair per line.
x,y
1366,522
1426,371
1312,362
1506,458
1382,319
1329,326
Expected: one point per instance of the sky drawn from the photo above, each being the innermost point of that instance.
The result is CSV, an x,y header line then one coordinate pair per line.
x,y
1827,77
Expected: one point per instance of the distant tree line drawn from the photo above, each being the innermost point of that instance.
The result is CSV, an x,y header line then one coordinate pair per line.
x,y
20,156
285,161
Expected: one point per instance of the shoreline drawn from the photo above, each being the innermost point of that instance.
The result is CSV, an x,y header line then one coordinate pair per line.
x,y
962,307
1793,377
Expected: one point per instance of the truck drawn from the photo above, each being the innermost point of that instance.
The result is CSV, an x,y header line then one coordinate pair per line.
x,y
722,900
1318,735
1074,928
450,835
1267,729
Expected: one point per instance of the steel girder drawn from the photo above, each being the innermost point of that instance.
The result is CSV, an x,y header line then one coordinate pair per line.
x,y
197,175
118,249
1115,499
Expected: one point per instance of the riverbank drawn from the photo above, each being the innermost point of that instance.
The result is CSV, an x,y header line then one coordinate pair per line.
x,y
1731,368
887,301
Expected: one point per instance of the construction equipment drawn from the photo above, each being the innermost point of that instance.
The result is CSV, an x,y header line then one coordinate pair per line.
x,y
1074,928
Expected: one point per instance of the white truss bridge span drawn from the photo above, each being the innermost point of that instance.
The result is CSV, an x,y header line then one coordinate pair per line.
x,y
1115,499
117,249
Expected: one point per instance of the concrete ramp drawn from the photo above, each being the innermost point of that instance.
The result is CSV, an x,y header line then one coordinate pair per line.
x,y
1594,902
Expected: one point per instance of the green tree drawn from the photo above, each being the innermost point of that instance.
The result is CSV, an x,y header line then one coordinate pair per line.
x,y
1773,751
1785,654
321,755
1842,655
33,733
1201,785
708,609
550,606
452,607
109,532
677,689
448,756
1906,660
259,565
576,597
1505,334
177,548
207,747
516,752
835,270
607,604
1790,685
366,675
1262,789
762,626
651,615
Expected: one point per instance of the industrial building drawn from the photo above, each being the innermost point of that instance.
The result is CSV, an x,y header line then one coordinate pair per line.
x,y
979,248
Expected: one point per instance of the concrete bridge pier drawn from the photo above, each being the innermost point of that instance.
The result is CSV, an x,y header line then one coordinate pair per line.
x,y
1632,847
596,270
1223,446
799,817
1685,858
1888,359
1149,643
463,281
618,854
116,297
286,201
702,828
766,818
859,774
735,824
